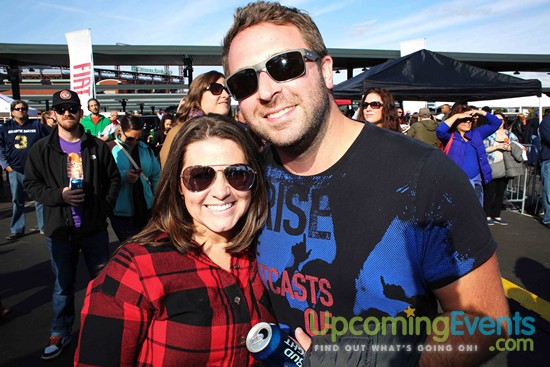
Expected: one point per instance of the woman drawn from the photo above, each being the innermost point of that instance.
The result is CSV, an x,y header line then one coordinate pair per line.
x,y
378,108
157,140
138,183
465,145
497,145
186,291
48,120
207,94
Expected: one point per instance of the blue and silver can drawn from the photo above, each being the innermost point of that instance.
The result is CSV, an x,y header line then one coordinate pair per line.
x,y
269,344
76,183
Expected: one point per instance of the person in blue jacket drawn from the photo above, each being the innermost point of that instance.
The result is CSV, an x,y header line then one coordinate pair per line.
x,y
544,131
466,143
16,138
134,201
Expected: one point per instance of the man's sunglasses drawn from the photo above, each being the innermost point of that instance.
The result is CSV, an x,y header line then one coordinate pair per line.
x,y
282,67
198,178
61,109
374,105
216,88
21,109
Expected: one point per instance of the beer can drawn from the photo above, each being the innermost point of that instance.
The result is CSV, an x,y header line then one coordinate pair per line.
x,y
76,183
269,344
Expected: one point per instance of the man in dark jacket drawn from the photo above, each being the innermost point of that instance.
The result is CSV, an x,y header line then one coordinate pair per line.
x,y
76,178
424,128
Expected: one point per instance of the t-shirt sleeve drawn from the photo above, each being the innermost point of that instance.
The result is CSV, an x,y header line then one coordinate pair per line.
x,y
456,239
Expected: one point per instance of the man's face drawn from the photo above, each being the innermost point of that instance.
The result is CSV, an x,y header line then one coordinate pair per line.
x,y
68,116
93,107
287,114
113,116
445,109
19,111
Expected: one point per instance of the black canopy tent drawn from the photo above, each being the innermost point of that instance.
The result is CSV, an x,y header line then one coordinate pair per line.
x,y
429,76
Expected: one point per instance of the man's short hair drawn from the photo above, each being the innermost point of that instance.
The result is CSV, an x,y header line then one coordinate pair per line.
x,y
16,102
274,13
93,99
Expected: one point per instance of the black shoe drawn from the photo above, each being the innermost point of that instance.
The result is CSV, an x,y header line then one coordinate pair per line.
x,y
14,236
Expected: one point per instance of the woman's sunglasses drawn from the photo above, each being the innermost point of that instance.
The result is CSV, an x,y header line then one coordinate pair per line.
x,y
61,109
216,88
282,67
198,178
374,105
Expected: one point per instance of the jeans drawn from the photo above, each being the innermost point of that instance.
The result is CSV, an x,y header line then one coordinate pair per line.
x,y
545,174
123,227
64,260
477,184
18,195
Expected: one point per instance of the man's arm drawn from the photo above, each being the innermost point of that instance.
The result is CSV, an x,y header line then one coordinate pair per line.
x,y
478,293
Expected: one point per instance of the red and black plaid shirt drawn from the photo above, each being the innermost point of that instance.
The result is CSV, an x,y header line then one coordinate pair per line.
x,y
153,306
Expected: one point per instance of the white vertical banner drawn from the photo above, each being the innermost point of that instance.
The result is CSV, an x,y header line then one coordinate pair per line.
x,y
82,64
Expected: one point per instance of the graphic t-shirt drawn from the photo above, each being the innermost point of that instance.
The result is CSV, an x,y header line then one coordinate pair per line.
x,y
373,235
74,170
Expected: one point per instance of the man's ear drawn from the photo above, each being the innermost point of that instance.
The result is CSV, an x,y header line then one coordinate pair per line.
x,y
326,69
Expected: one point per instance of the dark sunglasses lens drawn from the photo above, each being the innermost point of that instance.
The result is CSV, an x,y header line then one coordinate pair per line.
x,y
20,109
374,105
243,83
286,66
61,109
241,177
216,89
198,178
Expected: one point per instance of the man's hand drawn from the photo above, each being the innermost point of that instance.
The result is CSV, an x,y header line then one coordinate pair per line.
x,y
8,169
132,175
72,197
302,338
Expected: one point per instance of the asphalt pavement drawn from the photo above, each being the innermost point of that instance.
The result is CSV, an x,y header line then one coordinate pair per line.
x,y
26,283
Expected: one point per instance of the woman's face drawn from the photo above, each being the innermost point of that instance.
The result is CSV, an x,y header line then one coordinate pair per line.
x,y
499,116
218,208
219,104
464,126
372,115
131,137
167,125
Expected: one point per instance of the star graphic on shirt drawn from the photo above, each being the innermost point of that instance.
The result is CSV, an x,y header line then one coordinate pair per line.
x,y
410,311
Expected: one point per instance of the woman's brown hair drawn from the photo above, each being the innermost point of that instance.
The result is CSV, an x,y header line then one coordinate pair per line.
x,y
169,214
192,103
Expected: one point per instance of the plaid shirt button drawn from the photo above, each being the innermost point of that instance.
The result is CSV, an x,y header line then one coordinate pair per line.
x,y
242,340
237,300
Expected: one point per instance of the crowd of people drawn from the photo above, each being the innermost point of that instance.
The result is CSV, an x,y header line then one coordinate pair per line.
x,y
223,224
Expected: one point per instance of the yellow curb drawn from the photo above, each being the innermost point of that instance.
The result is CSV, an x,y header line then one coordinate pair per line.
x,y
527,299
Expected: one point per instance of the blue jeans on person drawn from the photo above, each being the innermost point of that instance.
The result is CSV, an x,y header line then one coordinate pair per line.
x,y
64,259
18,195
545,175
123,227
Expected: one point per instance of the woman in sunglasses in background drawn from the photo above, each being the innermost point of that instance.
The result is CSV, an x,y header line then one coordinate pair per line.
x,y
464,143
185,290
378,108
138,182
207,94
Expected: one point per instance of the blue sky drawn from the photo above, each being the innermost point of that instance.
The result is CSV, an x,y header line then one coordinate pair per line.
x,y
499,26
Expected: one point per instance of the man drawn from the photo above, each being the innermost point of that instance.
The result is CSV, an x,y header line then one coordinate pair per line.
x,y
445,111
544,132
364,222
110,131
95,123
75,218
424,128
16,138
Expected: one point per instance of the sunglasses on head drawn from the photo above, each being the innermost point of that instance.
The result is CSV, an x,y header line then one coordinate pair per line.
x,y
374,105
198,178
21,109
71,108
216,88
282,67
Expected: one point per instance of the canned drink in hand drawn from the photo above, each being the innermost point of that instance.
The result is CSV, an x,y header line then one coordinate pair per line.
x,y
269,344
76,183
